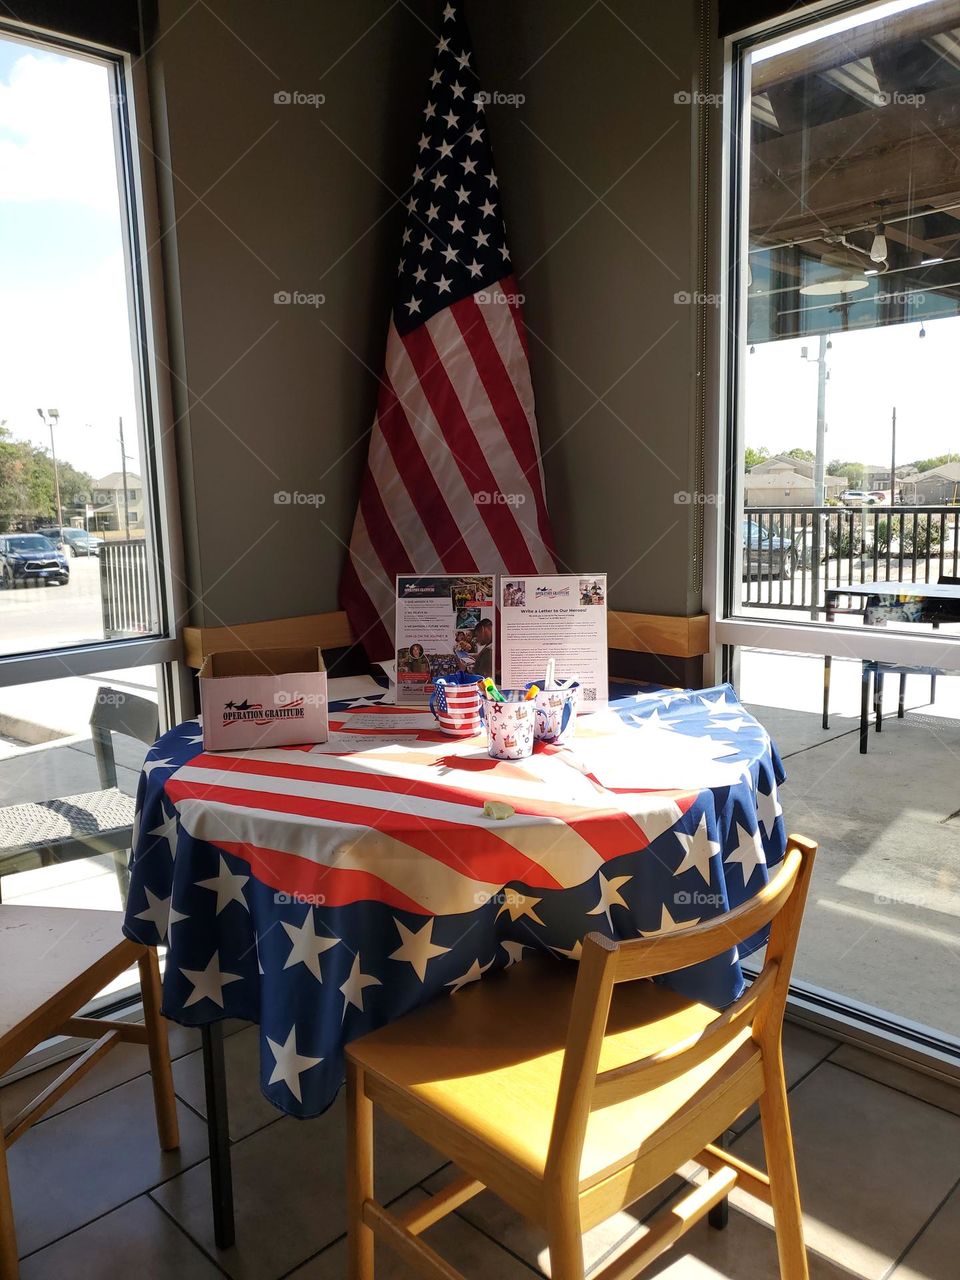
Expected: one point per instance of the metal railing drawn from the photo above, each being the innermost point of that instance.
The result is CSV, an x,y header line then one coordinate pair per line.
x,y
124,589
800,551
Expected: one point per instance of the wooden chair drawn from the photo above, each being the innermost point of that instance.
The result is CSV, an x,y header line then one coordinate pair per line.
x,y
570,1094
44,832
54,961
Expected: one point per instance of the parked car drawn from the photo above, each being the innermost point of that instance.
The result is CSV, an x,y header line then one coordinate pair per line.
x,y
766,554
29,557
862,498
77,541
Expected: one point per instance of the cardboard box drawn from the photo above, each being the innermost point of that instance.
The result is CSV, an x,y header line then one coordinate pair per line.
x,y
263,698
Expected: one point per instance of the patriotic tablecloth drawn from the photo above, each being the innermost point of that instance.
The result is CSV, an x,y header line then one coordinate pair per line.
x,y
323,891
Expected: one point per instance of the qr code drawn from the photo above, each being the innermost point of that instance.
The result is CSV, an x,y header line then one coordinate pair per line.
x,y
589,693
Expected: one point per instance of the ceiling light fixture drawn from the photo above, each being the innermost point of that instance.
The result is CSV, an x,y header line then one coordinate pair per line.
x,y
878,250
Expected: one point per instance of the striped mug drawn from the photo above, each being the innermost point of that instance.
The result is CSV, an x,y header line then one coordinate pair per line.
x,y
456,704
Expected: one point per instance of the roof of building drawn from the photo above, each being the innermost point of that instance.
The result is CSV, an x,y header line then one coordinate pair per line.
x,y
788,480
115,481
949,471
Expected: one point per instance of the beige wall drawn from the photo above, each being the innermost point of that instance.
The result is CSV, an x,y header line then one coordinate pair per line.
x,y
259,197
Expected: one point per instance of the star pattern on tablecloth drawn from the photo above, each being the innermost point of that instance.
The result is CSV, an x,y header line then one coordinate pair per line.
x,y
289,1065
307,945
208,983
417,947
227,885
699,850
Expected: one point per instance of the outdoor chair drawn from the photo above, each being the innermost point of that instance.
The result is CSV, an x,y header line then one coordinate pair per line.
x,y
570,1091
43,832
58,959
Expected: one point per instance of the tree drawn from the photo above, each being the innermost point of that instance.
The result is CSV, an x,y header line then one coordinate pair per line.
x,y
802,455
927,464
27,483
852,471
752,456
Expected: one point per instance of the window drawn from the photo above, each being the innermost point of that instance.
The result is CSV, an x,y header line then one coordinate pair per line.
x,y
87,569
839,603
74,440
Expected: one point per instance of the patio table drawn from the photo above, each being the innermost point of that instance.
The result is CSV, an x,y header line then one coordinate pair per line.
x,y
882,602
322,891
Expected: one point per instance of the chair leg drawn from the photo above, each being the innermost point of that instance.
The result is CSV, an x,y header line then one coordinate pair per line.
x,y
827,666
782,1171
9,1266
878,699
164,1100
359,1176
901,703
565,1241
864,708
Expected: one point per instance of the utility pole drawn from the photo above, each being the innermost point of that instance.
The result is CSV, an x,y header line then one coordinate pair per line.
x,y
819,483
819,467
126,503
893,457
49,418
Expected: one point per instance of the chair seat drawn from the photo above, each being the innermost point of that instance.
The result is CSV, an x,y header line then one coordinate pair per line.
x,y
61,958
494,1053
48,822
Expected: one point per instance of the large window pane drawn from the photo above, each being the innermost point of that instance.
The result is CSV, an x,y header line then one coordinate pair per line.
x,y
849,439
70,757
76,551
882,924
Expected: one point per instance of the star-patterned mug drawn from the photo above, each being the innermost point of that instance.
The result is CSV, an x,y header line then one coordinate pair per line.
x,y
510,728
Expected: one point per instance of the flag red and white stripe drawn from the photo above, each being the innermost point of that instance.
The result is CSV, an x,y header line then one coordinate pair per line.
x,y
454,478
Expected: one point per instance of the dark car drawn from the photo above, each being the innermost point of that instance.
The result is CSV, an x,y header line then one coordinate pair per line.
x,y
29,557
766,554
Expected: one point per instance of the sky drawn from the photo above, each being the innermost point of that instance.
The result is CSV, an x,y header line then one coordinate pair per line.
x,y
64,331
870,372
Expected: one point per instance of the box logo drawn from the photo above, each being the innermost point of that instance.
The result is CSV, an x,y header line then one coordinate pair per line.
x,y
256,713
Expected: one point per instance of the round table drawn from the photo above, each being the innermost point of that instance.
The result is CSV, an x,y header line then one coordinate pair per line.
x,y
323,891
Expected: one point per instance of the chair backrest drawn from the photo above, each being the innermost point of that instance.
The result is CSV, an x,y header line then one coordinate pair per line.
x,y
115,711
604,964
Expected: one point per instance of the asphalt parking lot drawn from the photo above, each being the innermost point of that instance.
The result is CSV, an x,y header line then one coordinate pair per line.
x,y
40,616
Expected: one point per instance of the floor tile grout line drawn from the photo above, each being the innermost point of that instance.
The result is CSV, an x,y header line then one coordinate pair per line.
x,y
184,1232
905,1093
121,1204
414,1186
738,1133
890,1272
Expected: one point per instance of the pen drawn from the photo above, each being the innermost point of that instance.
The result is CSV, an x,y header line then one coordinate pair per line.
x,y
531,693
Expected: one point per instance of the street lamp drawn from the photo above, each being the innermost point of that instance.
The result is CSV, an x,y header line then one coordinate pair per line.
x,y
52,416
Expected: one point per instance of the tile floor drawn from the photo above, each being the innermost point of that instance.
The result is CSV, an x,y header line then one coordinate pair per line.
x,y
878,1149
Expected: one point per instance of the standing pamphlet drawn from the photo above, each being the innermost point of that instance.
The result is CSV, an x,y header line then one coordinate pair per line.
x,y
561,617
445,624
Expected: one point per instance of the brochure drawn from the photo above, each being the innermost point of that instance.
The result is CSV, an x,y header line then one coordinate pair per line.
x,y
445,624
562,617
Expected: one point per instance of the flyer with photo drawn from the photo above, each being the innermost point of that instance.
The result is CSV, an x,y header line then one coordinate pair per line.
x,y
445,624
562,617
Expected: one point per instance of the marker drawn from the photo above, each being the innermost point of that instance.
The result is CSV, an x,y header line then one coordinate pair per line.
x,y
491,690
551,671
531,693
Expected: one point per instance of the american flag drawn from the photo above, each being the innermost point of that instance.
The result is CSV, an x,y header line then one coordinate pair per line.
x,y
454,481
